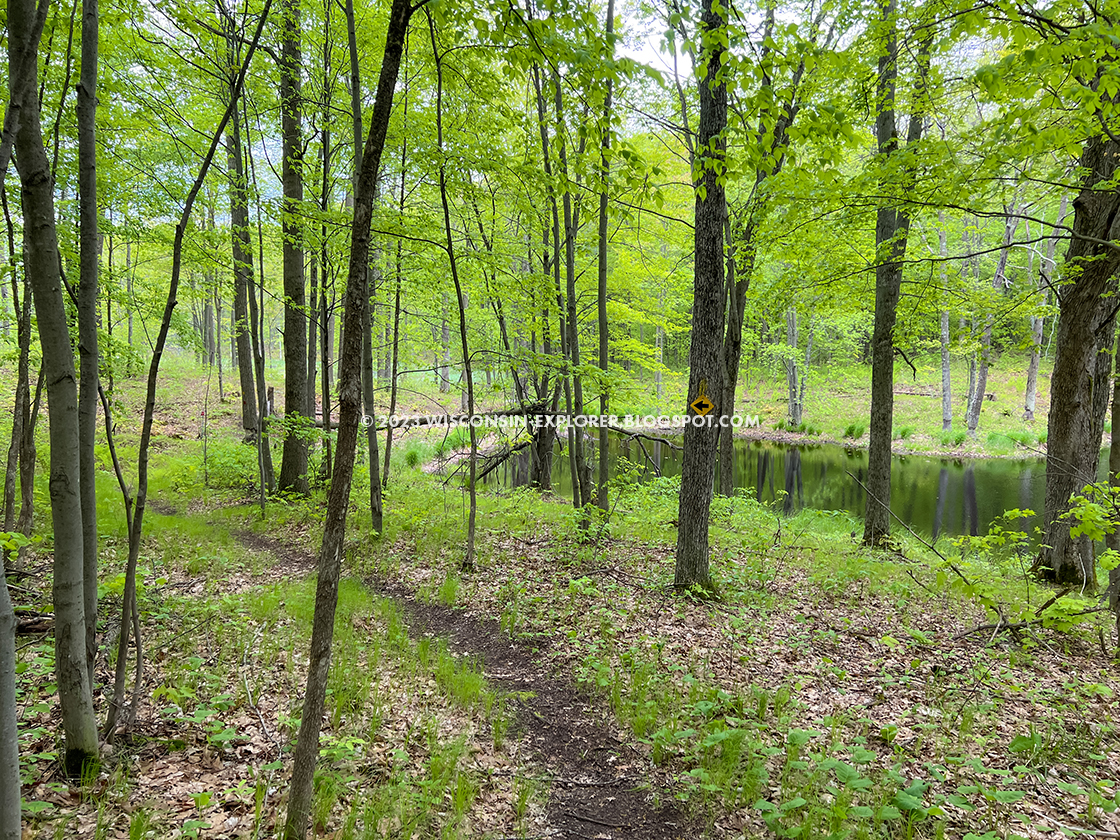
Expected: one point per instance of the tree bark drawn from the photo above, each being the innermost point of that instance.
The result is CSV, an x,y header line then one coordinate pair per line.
x,y
129,617
1112,540
741,236
604,335
21,412
790,361
445,349
43,270
1078,387
891,228
581,470
350,407
10,816
293,459
705,358
88,317
374,462
242,259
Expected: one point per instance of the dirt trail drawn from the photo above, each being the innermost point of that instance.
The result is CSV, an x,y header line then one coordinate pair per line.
x,y
598,784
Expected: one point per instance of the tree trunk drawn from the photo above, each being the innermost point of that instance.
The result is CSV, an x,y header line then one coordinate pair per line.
x,y
705,378
242,264
43,270
218,343
129,617
258,343
999,280
891,228
293,460
312,334
10,828
350,402
946,381
604,343
1085,314
790,360
1112,540
445,349
468,559
396,352
88,318
1038,322
21,412
581,470
372,458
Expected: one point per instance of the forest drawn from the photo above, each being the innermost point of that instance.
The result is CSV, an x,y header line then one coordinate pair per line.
x,y
545,419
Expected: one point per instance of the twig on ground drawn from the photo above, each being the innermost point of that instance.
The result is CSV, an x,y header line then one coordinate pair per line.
x,y
582,818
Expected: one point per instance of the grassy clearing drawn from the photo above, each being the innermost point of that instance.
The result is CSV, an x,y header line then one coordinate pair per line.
x,y
838,403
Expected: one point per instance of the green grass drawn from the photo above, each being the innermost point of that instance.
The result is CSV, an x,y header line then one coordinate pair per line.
x,y
838,402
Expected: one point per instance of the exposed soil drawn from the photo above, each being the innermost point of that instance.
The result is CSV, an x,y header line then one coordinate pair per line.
x,y
597,780
599,787
295,561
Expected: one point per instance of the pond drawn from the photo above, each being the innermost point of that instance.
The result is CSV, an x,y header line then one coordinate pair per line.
x,y
934,496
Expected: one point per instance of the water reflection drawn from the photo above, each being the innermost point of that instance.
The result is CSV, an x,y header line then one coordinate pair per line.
x,y
935,496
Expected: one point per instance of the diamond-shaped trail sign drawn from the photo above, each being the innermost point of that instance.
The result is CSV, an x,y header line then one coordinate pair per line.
x,y
701,405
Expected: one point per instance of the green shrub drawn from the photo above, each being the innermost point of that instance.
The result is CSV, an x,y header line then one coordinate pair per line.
x,y
951,438
855,431
1000,440
457,438
903,432
412,457
230,465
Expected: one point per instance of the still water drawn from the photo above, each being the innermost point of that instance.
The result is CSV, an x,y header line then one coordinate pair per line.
x,y
935,496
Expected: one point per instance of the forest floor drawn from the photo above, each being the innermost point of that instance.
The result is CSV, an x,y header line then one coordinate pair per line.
x,y
563,688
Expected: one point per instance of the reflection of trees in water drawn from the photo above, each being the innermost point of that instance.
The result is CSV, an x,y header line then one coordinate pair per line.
x,y
971,513
925,490
794,489
942,494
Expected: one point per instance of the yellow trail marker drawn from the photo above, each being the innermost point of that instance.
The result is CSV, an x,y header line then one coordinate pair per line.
x,y
702,405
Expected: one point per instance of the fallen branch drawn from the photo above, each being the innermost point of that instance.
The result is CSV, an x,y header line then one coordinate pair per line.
x,y
501,458
1014,628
